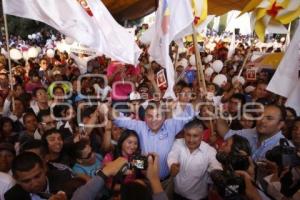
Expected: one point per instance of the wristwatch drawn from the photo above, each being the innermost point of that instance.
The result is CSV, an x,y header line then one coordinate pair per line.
x,y
100,173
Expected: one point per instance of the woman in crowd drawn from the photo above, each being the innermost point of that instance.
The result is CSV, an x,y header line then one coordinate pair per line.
x,y
6,131
53,142
128,146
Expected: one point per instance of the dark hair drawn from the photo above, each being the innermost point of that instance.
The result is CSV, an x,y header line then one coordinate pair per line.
x,y
240,143
264,101
195,123
57,87
297,119
25,162
135,191
42,114
33,144
28,114
33,73
4,120
17,99
261,82
240,97
50,132
58,110
78,147
87,111
46,134
292,110
37,89
153,105
281,109
17,85
182,84
124,135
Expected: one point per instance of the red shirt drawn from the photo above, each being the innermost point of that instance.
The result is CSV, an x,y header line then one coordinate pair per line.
x,y
218,143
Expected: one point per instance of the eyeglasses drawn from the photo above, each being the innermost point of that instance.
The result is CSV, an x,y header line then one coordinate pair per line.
x,y
49,123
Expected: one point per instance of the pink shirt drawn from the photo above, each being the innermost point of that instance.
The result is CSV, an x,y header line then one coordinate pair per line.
x,y
121,90
109,158
30,87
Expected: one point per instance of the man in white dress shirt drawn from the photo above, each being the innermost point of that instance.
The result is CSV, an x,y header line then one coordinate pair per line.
x,y
190,162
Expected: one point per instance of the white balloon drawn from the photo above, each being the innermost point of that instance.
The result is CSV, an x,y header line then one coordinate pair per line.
x,y
183,62
249,89
220,80
207,46
209,58
240,79
209,71
50,53
193,60
29,37
39,50
25,55
15,54
217,66
32,52
33,36
53,37
69,40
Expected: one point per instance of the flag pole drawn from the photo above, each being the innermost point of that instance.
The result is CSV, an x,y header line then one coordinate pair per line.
x,y
200,73
199,65
176,57
245,62
9,59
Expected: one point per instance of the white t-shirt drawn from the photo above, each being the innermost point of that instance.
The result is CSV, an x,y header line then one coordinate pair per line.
x,y
6,182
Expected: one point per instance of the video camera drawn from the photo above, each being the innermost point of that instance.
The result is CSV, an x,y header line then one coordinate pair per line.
x,y
284,155
138,162
228,185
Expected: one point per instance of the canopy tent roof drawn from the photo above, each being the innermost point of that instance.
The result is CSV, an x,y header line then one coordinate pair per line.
x,y
134,9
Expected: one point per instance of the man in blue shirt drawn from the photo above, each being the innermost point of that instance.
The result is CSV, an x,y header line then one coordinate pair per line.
x,y
156,133
264,136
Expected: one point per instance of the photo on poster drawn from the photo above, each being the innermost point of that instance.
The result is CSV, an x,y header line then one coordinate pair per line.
x,y
251,74
161,78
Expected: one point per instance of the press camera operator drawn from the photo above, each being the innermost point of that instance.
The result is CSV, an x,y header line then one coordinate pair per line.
x,y
237,179
284,164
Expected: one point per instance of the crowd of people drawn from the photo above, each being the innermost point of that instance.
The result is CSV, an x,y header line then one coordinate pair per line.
x,y
79,126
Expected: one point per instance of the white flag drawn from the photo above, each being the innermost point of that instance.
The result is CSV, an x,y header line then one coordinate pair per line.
x,y
231,49
172,17
286,80
87,21
287,38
